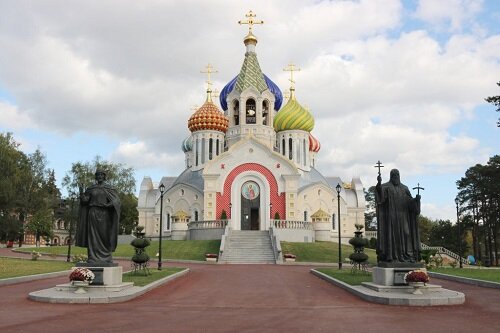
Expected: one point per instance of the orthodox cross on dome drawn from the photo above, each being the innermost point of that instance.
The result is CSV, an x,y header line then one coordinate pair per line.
x,y
291,68
250,21
209,70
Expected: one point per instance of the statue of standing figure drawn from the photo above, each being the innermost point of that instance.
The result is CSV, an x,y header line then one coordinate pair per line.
x,y
97,228
398,239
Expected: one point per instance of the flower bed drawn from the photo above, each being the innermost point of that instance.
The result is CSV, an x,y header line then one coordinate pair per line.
x,y
289,257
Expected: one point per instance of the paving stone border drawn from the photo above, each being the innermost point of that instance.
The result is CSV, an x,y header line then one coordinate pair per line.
x,y
461,279
442,297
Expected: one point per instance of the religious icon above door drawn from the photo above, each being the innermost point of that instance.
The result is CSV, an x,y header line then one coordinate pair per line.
x,y
250,190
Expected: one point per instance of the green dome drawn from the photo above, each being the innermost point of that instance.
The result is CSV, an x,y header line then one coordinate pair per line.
x,y
293,117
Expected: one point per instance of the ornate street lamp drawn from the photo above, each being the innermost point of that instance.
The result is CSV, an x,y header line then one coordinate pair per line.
x,y
162,191
459,234
339,188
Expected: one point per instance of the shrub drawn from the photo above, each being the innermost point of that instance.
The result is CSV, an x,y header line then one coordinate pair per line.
x,y
277,216
223,215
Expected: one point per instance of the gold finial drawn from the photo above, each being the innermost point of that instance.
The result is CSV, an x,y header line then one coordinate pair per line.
x,y
291,68
250,21
209,71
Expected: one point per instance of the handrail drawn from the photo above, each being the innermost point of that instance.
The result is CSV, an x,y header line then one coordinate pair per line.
x,y
210,224
222,246
446,251
276,244
287,224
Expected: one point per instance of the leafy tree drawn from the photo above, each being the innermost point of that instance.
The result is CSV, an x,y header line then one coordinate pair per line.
x,y
129,214
495,100
10,228
41,224
479,197
425,226
370,211
11,175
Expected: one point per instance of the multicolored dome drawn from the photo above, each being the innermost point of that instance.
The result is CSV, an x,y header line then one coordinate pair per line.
x,y
208,117
187,144
293,117
273,88
314,144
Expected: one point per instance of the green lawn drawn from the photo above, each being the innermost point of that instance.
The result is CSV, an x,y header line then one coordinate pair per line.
x,y
473,273
141,280
323,252
346,276
186,250
10,267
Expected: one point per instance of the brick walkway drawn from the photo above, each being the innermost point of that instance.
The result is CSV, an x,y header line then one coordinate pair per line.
x,y
247,298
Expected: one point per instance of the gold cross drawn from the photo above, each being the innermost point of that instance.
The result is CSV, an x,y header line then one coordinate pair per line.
x,y
291,68
250,21
209,71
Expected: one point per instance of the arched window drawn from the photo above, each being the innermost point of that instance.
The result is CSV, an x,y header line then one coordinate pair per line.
x,y
305,215
210,143
290,148
305,151
265,112
168,221
236,112
196,215
283,146
203,151
333,221
251,111
217,147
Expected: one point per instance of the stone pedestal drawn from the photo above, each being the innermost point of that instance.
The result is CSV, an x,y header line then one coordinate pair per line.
x,y
105,276
391,276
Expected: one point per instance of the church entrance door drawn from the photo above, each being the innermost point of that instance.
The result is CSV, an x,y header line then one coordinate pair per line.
x,y
250,206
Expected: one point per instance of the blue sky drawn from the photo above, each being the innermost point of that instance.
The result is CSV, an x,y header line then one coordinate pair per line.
x,y
403,82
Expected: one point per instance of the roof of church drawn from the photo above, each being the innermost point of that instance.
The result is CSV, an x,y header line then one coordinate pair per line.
x,y
312,177
192,178
250,74
293,116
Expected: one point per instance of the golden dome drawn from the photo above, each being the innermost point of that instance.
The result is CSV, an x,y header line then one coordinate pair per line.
x,y
208,117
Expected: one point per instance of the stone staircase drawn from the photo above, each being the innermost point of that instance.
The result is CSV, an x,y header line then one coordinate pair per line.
x,y
248,247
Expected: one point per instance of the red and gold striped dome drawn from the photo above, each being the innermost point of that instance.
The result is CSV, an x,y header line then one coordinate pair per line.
x,y
314,144
208,117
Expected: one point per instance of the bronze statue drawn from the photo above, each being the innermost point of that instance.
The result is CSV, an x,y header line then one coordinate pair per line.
x,y
97,228
398,239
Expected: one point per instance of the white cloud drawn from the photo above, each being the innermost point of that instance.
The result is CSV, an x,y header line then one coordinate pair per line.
x,y
452,14
12,118
139,156
441,212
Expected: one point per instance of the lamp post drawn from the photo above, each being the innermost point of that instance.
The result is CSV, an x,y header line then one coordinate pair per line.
x,y
162,191
459,234
71,216
339,188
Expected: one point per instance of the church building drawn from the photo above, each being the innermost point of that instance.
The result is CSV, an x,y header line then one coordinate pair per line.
x,y
250,164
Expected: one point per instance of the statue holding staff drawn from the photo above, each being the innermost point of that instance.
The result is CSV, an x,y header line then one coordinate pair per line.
x,y
398,239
